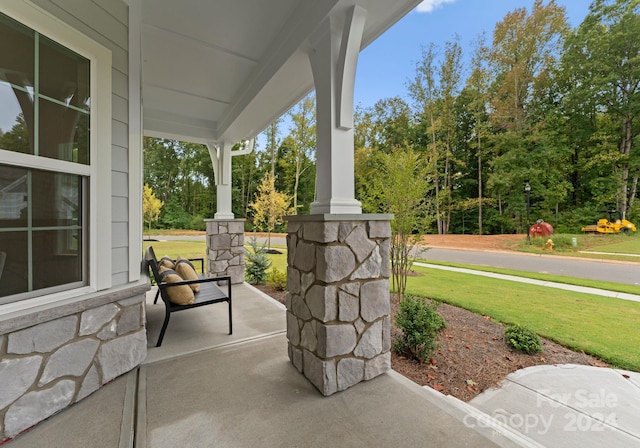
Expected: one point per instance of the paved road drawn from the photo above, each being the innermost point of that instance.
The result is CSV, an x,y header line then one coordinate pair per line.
x,y
619,272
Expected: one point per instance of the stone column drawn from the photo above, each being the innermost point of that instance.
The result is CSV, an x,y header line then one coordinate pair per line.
x,y
338,304
225,248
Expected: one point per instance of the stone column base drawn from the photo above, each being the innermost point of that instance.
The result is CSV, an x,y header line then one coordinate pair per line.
x,y
338,304
225,249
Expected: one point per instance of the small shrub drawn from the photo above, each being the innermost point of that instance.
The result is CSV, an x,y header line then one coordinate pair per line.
x,y
564,242
522,339
257,263
419,322
197,223
277,279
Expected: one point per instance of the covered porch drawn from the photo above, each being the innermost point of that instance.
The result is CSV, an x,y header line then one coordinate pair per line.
x,y
204,388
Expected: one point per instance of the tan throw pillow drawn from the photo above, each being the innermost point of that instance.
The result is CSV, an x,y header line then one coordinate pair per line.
x,y
181,294
166,262
185,269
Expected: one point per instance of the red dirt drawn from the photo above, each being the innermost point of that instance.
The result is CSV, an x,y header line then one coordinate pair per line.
x,y
482,242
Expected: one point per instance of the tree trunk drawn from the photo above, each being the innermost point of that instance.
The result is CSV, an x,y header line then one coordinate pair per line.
x,y
634,186
295,186
625,149
447,188
435,173
500,212
480,232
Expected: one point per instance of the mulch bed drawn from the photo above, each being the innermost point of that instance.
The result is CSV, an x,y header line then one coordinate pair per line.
x,y
472,354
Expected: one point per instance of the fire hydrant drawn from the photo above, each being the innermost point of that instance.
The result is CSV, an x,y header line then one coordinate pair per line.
x,y
548,245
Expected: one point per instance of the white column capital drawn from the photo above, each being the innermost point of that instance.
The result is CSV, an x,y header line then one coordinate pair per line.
x,y
334,55
220,153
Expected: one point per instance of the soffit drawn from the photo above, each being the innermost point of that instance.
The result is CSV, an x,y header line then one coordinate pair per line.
x,y
224,69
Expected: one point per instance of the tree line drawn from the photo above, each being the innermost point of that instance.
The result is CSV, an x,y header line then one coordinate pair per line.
x,y
539,102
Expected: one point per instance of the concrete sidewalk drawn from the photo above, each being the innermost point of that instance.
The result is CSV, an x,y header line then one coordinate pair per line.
x,y
569,405
531,281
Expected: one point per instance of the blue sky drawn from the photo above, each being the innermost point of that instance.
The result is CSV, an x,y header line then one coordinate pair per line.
x,y
386,66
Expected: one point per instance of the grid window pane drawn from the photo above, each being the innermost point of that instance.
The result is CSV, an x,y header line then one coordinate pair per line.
x,y
17,60
13,197
14,278
58,259
16,119
64,75
56,199
64,133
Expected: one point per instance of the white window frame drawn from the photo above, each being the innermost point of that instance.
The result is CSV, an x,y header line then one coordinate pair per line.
x,y
99,170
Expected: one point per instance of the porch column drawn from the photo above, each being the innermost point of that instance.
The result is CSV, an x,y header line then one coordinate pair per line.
x,y
220,154
225,235
333,57
338,324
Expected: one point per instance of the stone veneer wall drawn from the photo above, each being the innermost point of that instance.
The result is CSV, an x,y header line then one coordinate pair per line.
x,y
338,304
225,249
49,366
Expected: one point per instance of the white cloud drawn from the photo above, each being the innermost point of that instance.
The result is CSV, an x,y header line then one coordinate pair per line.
x,y
430,5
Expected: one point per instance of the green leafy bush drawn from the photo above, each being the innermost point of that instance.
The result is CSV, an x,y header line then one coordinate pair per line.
x,y
560,241
522,339
277,279
257,263
420,323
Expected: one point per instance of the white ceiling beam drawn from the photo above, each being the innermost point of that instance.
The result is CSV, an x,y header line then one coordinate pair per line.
x,y
201,43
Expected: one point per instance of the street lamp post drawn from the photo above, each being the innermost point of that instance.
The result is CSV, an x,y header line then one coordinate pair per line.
x,y
527,190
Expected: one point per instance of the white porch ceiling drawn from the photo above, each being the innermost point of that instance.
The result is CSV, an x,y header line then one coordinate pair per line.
x,y
225,69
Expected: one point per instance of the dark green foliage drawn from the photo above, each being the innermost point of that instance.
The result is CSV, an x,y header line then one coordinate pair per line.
x,y
420,322
181,175
522,339
277,279
257,263
173,216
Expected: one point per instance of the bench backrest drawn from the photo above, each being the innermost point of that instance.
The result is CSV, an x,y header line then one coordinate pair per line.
x,y
152,263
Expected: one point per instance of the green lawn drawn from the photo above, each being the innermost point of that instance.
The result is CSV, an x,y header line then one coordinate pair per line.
x,y
621,245
279,261
605,327
198,249
188,249
609,286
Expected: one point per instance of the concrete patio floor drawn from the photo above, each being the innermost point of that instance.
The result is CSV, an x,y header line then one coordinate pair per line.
x,y
204,388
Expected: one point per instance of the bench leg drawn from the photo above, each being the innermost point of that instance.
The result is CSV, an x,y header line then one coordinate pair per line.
x,y
230,319
164,328
157,295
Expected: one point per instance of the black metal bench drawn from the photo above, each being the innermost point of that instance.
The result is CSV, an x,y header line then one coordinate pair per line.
x,y
209,292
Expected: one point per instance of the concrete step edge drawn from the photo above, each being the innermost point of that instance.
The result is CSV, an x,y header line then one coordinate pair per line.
x,y
481,421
